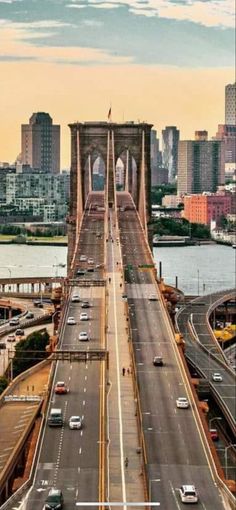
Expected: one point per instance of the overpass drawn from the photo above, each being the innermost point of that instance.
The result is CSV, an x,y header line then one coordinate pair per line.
x,y
111,266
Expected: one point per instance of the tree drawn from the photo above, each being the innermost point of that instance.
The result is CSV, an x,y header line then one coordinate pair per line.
x,y
3,383
158,192
23,359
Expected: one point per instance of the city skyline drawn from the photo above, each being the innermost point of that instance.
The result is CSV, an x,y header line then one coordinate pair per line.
x,y
167,63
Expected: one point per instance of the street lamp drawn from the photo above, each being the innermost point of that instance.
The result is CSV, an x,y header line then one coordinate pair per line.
x,y
218,418
150,487
226,458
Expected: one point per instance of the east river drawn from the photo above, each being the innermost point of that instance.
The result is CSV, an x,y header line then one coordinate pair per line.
x,y
200,269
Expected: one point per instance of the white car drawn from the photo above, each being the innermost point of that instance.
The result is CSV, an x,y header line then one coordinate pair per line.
x,y
182,402
83,316
90,261
83,258
83,336
153,297
11,338
71,321
75,422
217,377
188,494
75,298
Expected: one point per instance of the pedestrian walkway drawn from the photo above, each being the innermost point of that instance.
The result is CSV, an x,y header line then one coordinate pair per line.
x,y
125,477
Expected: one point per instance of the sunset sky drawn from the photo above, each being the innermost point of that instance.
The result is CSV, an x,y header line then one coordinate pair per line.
x,y
163,61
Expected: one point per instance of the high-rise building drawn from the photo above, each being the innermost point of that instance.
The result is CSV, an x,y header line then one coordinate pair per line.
x,y
40,143
200,166
230,104
227,133
155,154
170,140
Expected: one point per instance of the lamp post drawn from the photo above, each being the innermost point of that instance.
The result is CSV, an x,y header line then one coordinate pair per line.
x,y
150,488
226,458
198,283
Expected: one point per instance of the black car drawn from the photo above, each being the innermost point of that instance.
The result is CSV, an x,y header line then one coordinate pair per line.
x,y
85,304
158,361
54,500
19,332
80,272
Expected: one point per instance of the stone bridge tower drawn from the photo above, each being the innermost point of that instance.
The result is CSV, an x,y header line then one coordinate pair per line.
x,y
128,141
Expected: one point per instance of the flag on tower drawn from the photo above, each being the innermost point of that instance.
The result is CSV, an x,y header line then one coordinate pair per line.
x,y
109,114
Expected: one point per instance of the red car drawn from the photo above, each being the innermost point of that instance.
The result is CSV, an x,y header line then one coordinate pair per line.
x,y
214,434
61,388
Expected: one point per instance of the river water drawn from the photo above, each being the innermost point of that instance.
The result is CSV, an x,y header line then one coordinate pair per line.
x,y
200,269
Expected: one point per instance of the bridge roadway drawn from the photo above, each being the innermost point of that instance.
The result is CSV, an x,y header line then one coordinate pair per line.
x,y
205,352
173,447
71,459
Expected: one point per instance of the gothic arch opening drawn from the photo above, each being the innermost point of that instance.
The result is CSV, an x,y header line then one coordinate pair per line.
x,y
120,175
98,174
94,173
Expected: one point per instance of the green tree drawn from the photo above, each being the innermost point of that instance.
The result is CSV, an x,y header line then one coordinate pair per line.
x,y
24,359
173,226
158,192
3,383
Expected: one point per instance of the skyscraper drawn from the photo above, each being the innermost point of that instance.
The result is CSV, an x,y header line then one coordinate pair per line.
x,y
170,139
40,143
230,104
200,166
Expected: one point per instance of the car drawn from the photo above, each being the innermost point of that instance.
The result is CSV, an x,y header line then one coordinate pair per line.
x,y
90,261
61,388
54,500
158,361
90,270
14,322
214,434
83,316
71,321
75,298
216,377
83,258
152,297
188,494
182,403
11,338
29,315
75,422
2,345
38,304
85,304
83,336
19,332
80,272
